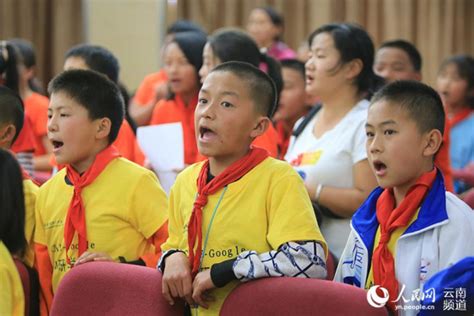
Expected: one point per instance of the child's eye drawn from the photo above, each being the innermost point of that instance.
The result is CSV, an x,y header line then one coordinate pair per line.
x,y
63,115
389,132
369,134
202,101
227,104
50,116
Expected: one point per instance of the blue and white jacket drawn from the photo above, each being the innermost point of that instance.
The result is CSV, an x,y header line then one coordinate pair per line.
x,y
442,235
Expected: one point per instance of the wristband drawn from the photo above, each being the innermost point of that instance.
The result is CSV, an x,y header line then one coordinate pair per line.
x,y
319,188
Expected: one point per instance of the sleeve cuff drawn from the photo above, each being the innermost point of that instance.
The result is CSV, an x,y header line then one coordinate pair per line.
x,y
162,262
222,273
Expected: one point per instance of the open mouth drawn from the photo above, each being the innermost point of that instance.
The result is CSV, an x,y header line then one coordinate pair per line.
x,y
206,133
57,144
379,167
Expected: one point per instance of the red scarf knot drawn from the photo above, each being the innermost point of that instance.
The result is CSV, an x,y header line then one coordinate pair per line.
x,y
231,174
390,218
76,214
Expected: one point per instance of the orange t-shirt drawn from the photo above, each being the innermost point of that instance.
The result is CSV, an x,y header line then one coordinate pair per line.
x,y
442,159
268,141
146,91
25,141
283,140
36,106
174,111
127,144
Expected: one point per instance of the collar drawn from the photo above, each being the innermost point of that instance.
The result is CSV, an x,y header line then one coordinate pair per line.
x,y
433,211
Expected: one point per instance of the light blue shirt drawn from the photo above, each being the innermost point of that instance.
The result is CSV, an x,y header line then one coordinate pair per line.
x,y
461,148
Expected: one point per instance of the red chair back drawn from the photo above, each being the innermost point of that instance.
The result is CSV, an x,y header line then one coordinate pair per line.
x,y
298,296
107,288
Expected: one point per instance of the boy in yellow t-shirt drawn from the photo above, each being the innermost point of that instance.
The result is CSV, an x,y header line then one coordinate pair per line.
x,y
240,215
11,122
12,240
100,206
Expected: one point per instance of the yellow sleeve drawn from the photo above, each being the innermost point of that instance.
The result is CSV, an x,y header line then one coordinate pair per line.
x,y
148,205
291,216
175,222
6,294
31,190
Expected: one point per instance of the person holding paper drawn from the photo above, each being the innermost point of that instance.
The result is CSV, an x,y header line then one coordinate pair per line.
x,y
183,59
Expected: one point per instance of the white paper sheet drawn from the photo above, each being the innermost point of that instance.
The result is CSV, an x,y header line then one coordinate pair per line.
x,y
163,146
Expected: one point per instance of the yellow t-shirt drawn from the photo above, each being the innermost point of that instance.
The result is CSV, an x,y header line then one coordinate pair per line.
x,y
12,299
125,205
30,191
392,246
266,208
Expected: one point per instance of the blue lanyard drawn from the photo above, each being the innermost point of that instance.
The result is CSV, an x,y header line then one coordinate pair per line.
x,y
207,237
209,227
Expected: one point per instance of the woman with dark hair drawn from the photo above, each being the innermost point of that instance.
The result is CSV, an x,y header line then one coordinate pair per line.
x,y
12,235
233,45
266,25
182,61
154,86
329,152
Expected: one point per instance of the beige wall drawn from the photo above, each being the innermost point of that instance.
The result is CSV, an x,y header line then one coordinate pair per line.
x,y
132,30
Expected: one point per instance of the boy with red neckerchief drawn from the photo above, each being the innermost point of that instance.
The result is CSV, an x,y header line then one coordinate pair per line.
x,y
410,227
240,214
100,206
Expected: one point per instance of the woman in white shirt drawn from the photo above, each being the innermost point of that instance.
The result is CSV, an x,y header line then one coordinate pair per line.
x,y
329,153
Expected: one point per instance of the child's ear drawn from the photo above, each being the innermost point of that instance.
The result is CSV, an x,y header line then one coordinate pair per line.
x,y
7,133
103,128
262,125
354,68
433,142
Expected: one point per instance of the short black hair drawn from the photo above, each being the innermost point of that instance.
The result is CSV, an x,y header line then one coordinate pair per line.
x,y
184,26
230,44
97,58
95,92
407,47
294,64
261,86
422,103
12,204
11,109
26,50
465,67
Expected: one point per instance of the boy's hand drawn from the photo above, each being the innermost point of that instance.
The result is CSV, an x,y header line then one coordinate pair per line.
x,y
177,281
92,256
201,286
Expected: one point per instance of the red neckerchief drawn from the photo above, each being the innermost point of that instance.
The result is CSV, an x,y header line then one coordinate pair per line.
x,y
76,214
390,219
459,117
232,173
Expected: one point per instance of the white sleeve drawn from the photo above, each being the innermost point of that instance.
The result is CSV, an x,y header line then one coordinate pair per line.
x,y
293,259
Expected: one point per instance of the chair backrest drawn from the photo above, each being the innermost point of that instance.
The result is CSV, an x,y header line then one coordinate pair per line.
x,y
25,281
107,288
331,266
298,296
